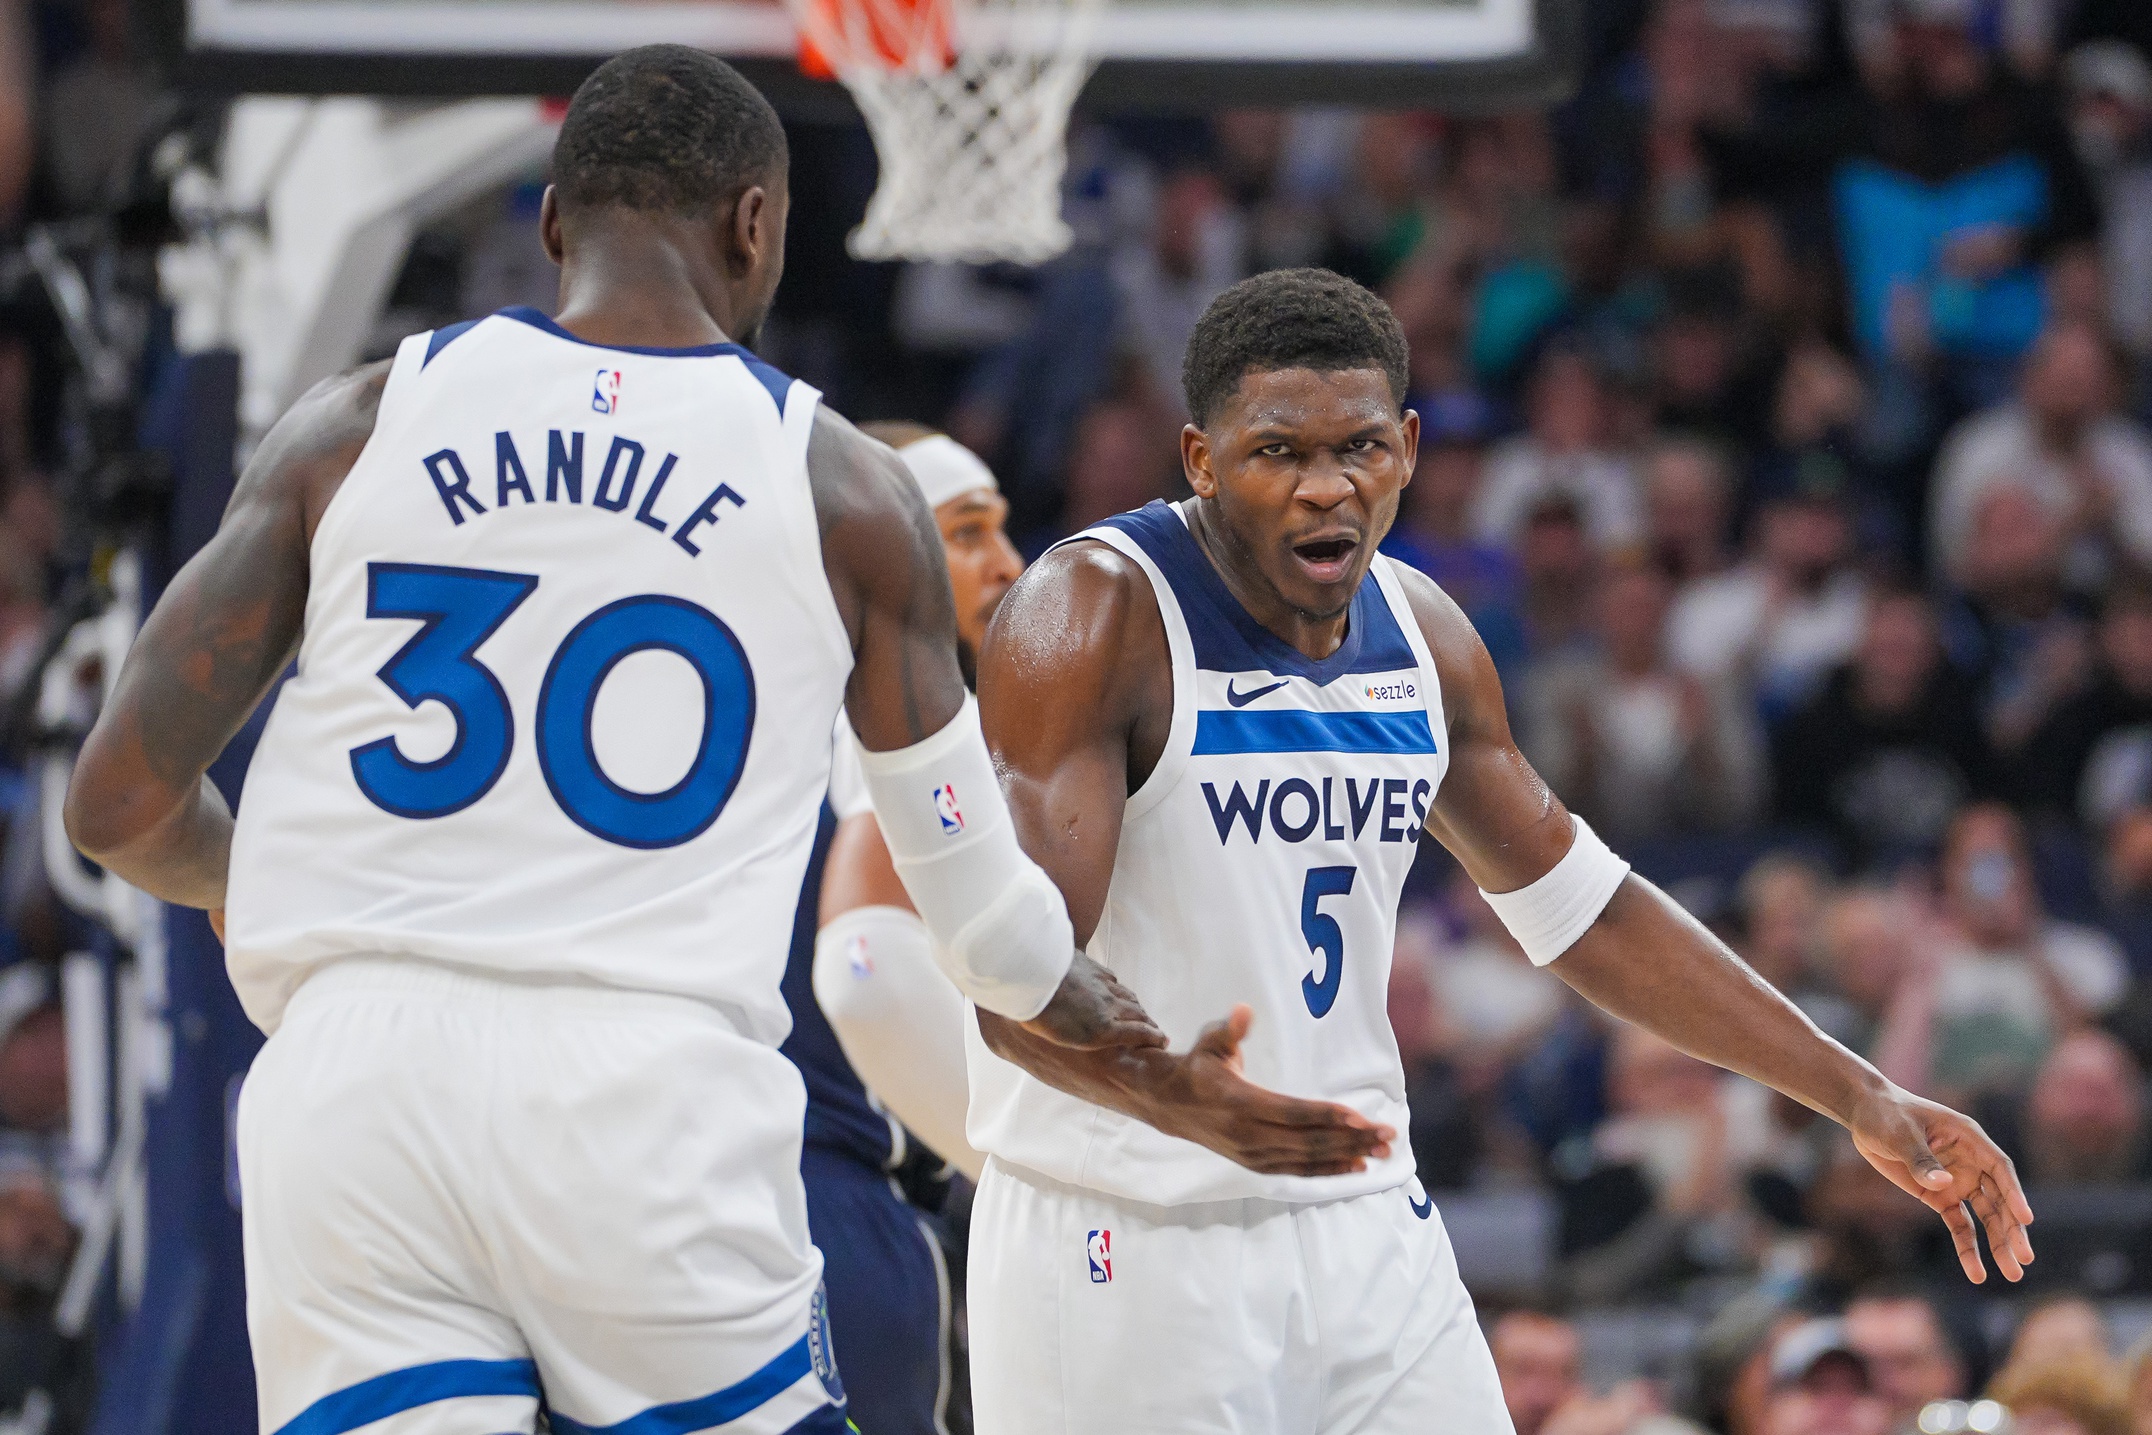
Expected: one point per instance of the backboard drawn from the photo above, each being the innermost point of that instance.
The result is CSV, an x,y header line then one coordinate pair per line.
x,y
1153,54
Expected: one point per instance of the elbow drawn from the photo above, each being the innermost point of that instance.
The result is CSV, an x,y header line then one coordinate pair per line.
x,y
85,827
95,821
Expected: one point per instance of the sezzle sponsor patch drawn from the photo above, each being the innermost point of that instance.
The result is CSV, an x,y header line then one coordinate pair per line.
x,y
1397,690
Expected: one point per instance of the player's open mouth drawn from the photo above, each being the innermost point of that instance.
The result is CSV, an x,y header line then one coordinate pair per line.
x,y
1326,559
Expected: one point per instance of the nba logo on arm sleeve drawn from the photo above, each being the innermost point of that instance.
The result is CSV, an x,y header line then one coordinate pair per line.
x,y
952,818
1098,1247
605,394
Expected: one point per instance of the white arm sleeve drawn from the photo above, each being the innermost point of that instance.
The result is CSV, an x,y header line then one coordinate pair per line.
x,y
900,1023
999,926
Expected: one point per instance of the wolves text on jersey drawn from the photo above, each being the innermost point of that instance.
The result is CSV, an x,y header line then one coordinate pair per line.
x,y
615,489
1294,809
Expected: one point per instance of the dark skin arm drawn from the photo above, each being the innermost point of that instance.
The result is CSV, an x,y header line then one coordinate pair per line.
x,y
1649,962
1075,690
215,643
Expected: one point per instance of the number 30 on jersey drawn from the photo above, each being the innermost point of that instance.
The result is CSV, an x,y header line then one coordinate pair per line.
x,y
459,609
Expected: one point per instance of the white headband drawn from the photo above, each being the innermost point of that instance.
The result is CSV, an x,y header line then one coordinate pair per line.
x,y
945,469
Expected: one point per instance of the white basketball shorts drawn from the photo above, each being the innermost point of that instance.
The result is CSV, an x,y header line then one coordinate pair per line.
x,y
1091,1314
464,1198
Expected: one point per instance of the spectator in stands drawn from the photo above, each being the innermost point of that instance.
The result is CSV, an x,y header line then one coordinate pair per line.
x,y
1790,613
1196,249
2110,94
2014,626
1866,951
2057,1329
1445,1144
1902,1337
1890,747
1118,461
1815,413
2006,981
2080,1396
1687,500
1963,181
1559,571
2063,442
1540,1363
1564,453
2084,1120
1821,1385
1433,532
1781,907
1537,1359
1496,1001
1706,379
2092,758
1639,748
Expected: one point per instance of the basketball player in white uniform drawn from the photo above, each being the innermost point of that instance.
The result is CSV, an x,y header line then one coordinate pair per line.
x,y
898,1018
1224,726
573,605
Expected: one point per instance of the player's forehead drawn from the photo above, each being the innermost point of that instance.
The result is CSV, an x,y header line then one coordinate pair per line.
x,y
977,505
1307,402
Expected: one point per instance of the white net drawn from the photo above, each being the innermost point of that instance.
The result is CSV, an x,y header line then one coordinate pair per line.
x,y
968,102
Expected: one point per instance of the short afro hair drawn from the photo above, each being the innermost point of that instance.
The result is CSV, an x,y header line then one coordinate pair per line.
x,y
1289,319
665,129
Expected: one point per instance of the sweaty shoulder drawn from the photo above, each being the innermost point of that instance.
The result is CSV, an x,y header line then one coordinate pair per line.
x,y
306,456
1079,638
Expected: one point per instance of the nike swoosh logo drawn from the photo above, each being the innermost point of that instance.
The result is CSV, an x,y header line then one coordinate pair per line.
x,y
1241,700
1424,1207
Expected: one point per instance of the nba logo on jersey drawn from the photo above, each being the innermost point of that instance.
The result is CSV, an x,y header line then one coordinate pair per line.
x,y
605,395
857,957
1099,1247
945,808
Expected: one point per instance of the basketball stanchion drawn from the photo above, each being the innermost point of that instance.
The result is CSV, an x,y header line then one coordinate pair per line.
x,y
968,102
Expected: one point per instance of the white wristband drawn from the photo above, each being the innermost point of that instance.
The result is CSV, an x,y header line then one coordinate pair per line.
x,y
1547,917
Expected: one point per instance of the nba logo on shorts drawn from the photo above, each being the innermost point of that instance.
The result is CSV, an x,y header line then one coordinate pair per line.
x,y
605,396
945,808
1099,1247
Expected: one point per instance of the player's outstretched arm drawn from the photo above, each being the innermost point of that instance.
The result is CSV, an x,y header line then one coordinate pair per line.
x,y
1076,692
216,641
999,926
1649,962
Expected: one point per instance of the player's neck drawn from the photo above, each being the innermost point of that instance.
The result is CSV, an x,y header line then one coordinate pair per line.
x,y
1314,635
640,288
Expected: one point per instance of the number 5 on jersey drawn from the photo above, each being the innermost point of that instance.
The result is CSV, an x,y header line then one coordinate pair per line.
x,y
1325,938
459,609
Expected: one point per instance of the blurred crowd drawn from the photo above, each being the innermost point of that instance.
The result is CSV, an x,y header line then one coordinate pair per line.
x,y
74,100
1784,399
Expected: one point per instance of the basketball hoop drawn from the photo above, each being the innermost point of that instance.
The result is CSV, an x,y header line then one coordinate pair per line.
x,y
968,102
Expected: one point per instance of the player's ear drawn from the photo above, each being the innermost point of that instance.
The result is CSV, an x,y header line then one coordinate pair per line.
x,y
549,226
1196,461
757,228
1411,428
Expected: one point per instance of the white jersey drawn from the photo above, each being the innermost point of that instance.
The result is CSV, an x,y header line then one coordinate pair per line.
x,y
567,681
1261,862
